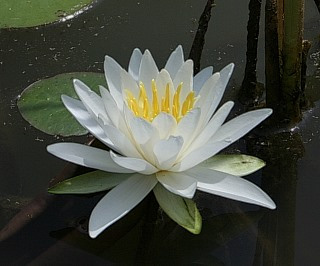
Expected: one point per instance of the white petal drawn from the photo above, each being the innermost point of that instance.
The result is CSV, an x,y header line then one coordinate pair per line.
x,y
187,125
175,61
178,183
142,131
135,164
89,98
167,150
148,71
163,78
121,142
201,78
112,71
184,75
240,125
78,110
213,125
134,63
119,201
229,186
226,135
128,83
165,124
110,105
219,89
86,156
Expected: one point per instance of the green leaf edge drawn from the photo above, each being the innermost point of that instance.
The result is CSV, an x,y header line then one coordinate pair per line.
x,y
92,182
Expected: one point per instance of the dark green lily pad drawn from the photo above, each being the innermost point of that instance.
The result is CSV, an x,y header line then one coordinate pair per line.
x,y
40,103
30,13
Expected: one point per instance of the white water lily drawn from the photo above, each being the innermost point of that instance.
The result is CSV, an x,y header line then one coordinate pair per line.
x,y
161,126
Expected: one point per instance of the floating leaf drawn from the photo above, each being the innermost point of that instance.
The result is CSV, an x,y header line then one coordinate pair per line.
x,y
23,13
234,164
91,182
40,104
183,211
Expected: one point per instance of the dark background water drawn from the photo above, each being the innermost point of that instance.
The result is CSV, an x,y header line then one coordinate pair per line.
x,y
231,230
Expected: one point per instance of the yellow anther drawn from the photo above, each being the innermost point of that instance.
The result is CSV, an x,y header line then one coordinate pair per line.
x,y
149,109
155,103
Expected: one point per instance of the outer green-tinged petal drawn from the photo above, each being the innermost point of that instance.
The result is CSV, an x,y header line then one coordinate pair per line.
x,y
178,183
181,210
229,186
86,156
175,61
134,164
119,201
78,110
134,63
91,182
234,164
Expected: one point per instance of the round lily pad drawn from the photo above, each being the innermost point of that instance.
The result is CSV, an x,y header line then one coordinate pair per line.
x,y
40,103
30,13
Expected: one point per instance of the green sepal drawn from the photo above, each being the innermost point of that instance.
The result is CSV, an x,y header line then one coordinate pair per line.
x,y
234,164
181,210
91,182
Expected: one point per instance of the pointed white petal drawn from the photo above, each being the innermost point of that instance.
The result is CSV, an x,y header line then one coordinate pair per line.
x,y
178,183
86,156
175,61
163,78
201,78
213,125
167,150
119,201
142,130
78,110
112,71
89,98
165,124
240,125
187,125
128,83
229,186
110,105
148,71
134,63
184,75
135,164
226,135
121,141
218,91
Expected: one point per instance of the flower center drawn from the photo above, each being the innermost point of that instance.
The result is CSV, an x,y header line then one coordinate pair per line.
x,y
150,108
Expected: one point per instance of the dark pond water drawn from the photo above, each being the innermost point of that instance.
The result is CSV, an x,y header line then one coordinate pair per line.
x,y
233,233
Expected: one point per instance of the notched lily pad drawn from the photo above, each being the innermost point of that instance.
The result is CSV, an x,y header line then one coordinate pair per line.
x,y
40,103
30,13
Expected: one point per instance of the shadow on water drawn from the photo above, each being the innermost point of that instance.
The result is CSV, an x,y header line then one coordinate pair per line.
x,y
52,230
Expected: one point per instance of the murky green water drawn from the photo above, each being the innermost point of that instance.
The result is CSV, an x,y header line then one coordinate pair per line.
x,y
233,233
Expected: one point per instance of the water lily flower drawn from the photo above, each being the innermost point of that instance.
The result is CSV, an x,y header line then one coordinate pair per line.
x,y
164,132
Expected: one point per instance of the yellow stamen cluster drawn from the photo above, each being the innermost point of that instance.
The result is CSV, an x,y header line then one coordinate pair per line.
x,y
150,108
